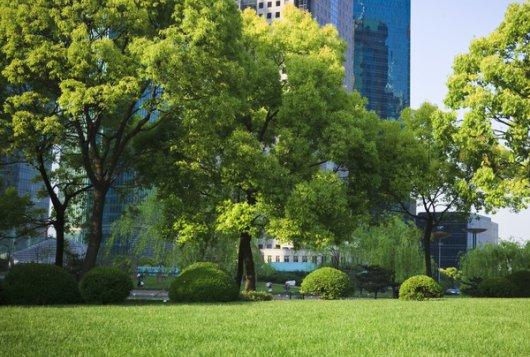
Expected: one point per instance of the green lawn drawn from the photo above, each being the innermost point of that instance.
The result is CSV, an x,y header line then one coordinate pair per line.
x,y
354,327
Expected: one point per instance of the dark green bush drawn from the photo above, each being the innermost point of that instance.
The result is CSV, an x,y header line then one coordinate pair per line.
x,y
469,286
374,279
328,283
203,282
2,293
521,282
105,285
256,296
40,284
496,287
420,287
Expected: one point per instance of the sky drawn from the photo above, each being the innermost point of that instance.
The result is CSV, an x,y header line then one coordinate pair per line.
x,y
440,30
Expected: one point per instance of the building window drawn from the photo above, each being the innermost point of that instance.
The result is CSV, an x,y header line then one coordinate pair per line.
x,y
315,259
277,14
295,259
260,5
269,259
260,246
323,260
277,259
269,246
277,246
269,4
269,15
304,259
286,259
278,3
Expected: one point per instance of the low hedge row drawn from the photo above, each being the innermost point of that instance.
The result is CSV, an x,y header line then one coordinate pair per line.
x,y
516,284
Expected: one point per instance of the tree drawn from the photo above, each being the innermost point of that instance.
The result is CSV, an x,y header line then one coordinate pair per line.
x,y
440,181
492,84
374,278
78,74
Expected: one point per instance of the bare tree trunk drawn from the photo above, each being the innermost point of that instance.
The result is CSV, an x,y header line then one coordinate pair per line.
x,y
426,240
240,263
95,229
250,271
59,232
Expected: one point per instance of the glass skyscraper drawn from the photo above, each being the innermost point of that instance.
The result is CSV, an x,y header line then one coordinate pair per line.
x,y
382,54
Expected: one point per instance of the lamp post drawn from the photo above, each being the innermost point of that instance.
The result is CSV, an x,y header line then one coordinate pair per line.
x,y
474,232
439,235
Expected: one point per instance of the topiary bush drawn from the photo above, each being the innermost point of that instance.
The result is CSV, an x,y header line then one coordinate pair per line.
x,y
496,287
420,287
521,283
203,282
255,296
40,284
328,283
104,285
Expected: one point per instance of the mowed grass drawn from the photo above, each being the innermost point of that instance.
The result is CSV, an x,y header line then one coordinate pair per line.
x,y
351,327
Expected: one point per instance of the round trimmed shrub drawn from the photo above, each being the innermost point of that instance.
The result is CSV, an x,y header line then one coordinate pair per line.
x,y
328,283
40,284
420,287
496,287
203,282
521,282
104,285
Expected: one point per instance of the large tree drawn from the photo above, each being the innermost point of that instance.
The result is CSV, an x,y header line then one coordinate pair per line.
x,y
253,133
492,84
78,73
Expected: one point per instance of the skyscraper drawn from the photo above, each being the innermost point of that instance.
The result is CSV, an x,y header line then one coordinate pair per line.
x,y
336,12
382,54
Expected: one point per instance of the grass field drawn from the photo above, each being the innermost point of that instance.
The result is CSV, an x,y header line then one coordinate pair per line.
x,y
353,327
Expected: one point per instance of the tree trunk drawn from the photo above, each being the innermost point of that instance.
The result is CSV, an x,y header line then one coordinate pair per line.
x,y
59,232
240,262
426,240
248,259
95,233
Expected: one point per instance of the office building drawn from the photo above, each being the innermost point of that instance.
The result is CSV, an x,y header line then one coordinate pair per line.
x,y
447,251
336,12
382,55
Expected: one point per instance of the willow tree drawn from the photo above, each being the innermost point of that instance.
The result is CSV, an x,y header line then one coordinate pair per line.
x,y
78,74
491,83
261,109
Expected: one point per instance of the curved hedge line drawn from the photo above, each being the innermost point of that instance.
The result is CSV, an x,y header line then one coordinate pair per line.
x,y
105,285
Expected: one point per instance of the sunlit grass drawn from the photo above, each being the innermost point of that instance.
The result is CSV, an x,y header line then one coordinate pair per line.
x,y
350,327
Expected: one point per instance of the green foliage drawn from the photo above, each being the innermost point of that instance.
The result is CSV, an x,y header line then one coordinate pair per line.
x,y
327,283
420,287
521,282
269,274
3,299
17,211
491,83
496,287
104,285
123,263
374,279
495,261
469,286
255,296
392,244
39,284
147,261
203,282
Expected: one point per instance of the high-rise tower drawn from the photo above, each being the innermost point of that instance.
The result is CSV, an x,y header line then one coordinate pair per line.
x,y
382,54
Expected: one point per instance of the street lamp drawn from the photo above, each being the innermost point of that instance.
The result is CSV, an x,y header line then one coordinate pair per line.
x,y
439,235
474,232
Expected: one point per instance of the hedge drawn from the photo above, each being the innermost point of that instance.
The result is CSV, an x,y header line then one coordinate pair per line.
x,y
327,283
103,285
420,287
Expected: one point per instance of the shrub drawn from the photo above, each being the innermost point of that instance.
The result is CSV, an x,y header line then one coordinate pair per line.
x,y
105,285
469,286
496,287
2,294
521,282
40,284
328,283
420,287
374,279
256,296
203,282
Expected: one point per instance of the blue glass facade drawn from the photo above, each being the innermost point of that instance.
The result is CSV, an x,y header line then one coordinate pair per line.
x,y
26,180
382,54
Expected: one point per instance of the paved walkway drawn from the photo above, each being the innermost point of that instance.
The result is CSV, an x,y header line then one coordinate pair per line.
x,y
149,295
